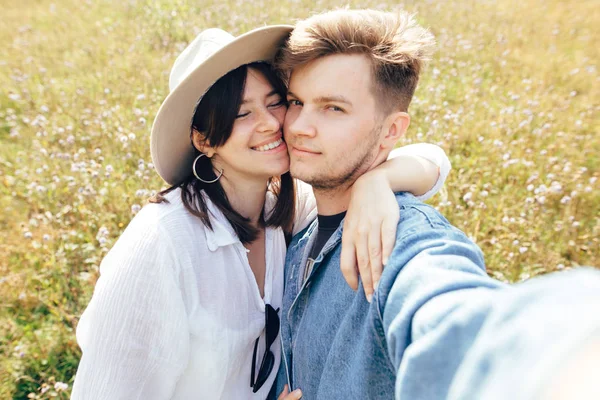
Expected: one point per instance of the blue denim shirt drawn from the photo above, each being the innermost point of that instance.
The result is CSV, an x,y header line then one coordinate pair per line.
x,y
438,327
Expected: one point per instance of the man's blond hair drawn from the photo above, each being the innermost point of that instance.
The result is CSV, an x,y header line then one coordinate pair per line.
x,y
395,43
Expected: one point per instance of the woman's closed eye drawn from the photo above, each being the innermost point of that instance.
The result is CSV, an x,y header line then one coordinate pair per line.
x,y
278,103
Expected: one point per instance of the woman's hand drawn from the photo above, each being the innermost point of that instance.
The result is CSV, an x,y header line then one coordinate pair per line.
x,y
369,230
286,395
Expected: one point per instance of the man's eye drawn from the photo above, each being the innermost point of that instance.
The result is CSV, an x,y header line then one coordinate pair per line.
x,y
295,103
335,108
242,115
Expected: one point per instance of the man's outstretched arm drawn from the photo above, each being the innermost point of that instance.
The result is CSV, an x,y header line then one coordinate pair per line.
x,y
453,332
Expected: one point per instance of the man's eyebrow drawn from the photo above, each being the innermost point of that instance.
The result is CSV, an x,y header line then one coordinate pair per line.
x,y
326,99
271,93
334,99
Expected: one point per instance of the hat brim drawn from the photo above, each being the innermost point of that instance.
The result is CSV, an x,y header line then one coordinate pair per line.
x,y
170,147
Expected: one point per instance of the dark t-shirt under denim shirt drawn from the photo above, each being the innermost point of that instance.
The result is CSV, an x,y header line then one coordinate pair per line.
x,y
327,225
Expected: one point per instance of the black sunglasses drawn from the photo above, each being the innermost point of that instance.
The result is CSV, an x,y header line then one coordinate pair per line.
x,y
268,360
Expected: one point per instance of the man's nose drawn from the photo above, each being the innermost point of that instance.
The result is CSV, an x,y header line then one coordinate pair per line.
x,y
298,123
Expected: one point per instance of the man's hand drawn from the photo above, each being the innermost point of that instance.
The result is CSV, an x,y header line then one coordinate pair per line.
x,y
578,378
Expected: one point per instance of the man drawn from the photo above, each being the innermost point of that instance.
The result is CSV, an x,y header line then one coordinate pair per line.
x,y
437,327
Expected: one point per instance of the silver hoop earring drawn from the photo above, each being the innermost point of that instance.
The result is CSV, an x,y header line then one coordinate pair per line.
x,y
196,174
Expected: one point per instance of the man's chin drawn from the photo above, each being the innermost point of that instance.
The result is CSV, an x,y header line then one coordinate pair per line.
x,y
302,174
318,182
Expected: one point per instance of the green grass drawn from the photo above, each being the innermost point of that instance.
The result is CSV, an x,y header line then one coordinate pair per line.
x,y
512,95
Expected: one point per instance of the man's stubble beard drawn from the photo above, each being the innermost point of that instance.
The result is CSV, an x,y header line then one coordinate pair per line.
x,y
327,181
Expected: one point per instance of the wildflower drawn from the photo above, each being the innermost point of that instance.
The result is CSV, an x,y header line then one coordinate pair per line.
x,y
541,189
541,199
135,208
523,250
555,187
61,386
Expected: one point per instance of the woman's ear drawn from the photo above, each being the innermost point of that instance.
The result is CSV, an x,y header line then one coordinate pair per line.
x,y
398,123
200,143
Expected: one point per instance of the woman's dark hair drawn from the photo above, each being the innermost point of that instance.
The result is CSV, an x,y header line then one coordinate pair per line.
x,y
214,117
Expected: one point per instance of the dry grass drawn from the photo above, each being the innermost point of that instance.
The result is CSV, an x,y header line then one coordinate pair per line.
x,y
512,95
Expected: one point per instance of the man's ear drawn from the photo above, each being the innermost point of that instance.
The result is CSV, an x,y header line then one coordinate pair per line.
x,y
397,123
200,143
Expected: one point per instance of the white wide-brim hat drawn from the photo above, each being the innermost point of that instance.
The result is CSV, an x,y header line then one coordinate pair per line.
x,y
211,55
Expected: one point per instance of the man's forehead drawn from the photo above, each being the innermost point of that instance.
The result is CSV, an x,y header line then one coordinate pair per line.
x,y
336,75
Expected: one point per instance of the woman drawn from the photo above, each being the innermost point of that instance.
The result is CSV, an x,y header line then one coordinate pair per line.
x,y
181,302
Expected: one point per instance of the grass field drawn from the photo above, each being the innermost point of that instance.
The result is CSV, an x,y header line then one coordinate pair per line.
x,y
512,95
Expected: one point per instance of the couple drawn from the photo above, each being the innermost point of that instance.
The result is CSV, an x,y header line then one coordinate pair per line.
x,y
193,296
189,298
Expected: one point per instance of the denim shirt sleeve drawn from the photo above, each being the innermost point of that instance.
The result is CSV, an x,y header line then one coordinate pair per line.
x,y
454,333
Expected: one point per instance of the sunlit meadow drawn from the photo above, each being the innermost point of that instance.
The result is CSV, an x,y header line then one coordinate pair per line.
x,y
512,95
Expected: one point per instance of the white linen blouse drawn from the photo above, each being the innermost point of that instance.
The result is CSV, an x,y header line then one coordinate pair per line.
x,y
176,310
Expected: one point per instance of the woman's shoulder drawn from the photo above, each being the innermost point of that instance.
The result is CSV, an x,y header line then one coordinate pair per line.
x,y
166,220
171,207
164,231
